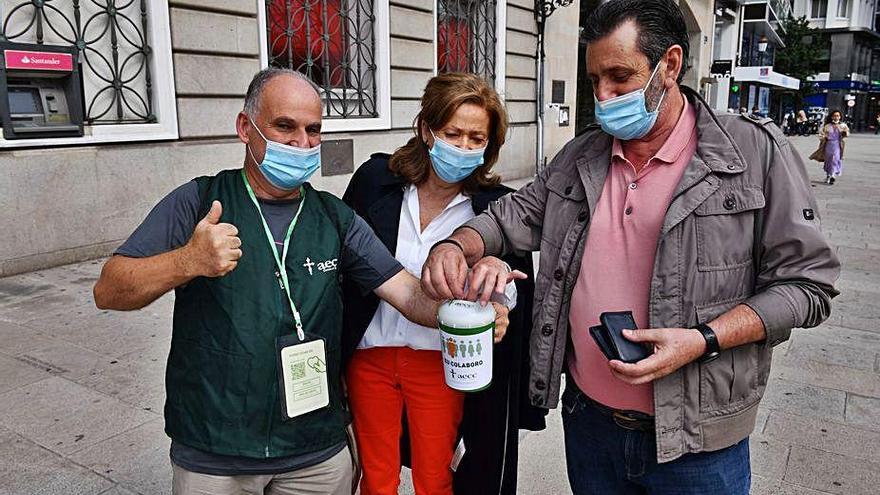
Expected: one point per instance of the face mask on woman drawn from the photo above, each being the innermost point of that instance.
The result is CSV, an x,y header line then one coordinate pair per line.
x,y
451,163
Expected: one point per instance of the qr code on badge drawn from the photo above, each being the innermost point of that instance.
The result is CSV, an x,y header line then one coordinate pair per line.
x,y
298,370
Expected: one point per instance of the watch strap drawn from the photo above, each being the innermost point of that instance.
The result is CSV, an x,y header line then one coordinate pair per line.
x,y
713,349
447,241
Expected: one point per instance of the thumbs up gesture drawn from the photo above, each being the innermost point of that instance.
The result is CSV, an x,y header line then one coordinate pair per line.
x,y
214,248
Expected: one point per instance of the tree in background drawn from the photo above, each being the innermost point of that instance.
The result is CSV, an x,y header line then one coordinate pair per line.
x,y
804,46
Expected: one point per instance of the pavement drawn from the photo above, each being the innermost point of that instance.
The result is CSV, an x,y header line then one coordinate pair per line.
x,y
81,390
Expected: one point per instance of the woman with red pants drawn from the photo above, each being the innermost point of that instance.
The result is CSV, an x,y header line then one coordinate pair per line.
x,y
413,199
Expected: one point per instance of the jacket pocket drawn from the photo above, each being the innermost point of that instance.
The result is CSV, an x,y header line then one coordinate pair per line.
x,y
566,201
725,225
208,384
730,382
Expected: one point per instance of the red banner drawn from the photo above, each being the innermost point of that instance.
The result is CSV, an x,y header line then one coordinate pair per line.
x,y
19,59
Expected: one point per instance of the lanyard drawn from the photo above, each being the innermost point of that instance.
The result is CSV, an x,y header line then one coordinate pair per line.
x,y
279,260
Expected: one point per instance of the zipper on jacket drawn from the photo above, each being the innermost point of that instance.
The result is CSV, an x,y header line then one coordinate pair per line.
x,y
275,386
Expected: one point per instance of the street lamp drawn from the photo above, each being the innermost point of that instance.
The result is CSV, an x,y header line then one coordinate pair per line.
x,y
543,10
762,49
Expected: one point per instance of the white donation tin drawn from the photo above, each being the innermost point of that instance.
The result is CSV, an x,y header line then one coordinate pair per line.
x,y
466,331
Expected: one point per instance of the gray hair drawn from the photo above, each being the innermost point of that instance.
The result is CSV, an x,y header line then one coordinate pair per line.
x,y
660,23
255,88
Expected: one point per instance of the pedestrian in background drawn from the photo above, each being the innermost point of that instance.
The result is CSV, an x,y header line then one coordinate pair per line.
x,y
877,127
756,113
831,139
789,123
801,123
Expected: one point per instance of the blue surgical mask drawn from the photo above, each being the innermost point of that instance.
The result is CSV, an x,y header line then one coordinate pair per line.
x,y
453,164
287,167
626,116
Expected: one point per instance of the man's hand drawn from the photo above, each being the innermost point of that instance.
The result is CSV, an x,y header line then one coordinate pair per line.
x,y
489,275
214,249
444,273
501,321
673,348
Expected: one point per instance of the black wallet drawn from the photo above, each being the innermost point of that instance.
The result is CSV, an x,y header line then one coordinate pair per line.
x,y
609,337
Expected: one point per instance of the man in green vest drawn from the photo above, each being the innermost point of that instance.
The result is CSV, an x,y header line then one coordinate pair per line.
x,y
254,255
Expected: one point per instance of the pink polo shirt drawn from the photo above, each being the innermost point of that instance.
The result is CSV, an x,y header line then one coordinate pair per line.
x,y
618,260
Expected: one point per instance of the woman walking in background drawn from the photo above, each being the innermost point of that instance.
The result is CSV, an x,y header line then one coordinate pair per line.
x,y
831,136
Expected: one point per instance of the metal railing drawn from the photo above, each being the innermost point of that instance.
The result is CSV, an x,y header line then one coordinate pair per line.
x,y
782,8
466,39
333,43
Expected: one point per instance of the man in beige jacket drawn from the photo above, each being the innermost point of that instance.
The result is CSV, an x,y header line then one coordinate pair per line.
x,y
704,226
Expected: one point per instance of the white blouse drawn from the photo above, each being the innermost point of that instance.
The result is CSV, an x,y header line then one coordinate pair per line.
x,y
389,328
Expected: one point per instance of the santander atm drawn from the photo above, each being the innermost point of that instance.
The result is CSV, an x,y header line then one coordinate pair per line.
x,y
40,91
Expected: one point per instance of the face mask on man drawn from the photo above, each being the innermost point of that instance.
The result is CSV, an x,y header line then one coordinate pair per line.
x,y
453,164
626,116
287,167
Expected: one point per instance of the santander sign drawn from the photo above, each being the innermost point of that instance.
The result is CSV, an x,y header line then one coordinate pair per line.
x,y
21,59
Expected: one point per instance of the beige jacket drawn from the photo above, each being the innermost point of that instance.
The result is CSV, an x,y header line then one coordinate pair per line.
x,y
742,227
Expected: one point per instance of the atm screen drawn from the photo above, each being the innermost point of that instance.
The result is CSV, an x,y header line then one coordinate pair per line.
x,y
24,100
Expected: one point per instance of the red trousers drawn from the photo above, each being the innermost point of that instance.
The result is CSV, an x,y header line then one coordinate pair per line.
x,y
381,382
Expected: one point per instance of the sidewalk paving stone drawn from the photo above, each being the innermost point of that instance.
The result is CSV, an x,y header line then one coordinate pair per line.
x,y
768,457
15,373
107,332
15,290
824,403
770,486
863,411
135,380
15,338
828,436
833,473
29,469
850,336
118,490
56,303
69,360
857,309
805,347
66,417
826,375
137,458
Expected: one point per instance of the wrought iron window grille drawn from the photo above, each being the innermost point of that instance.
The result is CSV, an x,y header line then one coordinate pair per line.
x,y
466,37
333,42
115,54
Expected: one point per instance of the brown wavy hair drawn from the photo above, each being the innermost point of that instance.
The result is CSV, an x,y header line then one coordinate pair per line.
x,y
442,97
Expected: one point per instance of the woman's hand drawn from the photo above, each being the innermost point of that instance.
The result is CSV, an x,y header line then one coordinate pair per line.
x,y
501,321
489,275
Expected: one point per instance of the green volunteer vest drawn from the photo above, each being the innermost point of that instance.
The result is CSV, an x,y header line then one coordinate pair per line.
x,y
222,376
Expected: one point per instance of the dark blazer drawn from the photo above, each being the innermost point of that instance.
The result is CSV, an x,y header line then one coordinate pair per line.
x,y
492,417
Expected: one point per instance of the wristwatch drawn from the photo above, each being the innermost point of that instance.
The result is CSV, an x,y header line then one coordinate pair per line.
x,y
713,350
447,241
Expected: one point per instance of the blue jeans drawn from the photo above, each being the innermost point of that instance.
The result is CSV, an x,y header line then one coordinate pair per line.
x,y
604,458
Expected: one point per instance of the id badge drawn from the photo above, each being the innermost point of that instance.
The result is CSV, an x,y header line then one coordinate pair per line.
x,y
303,376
